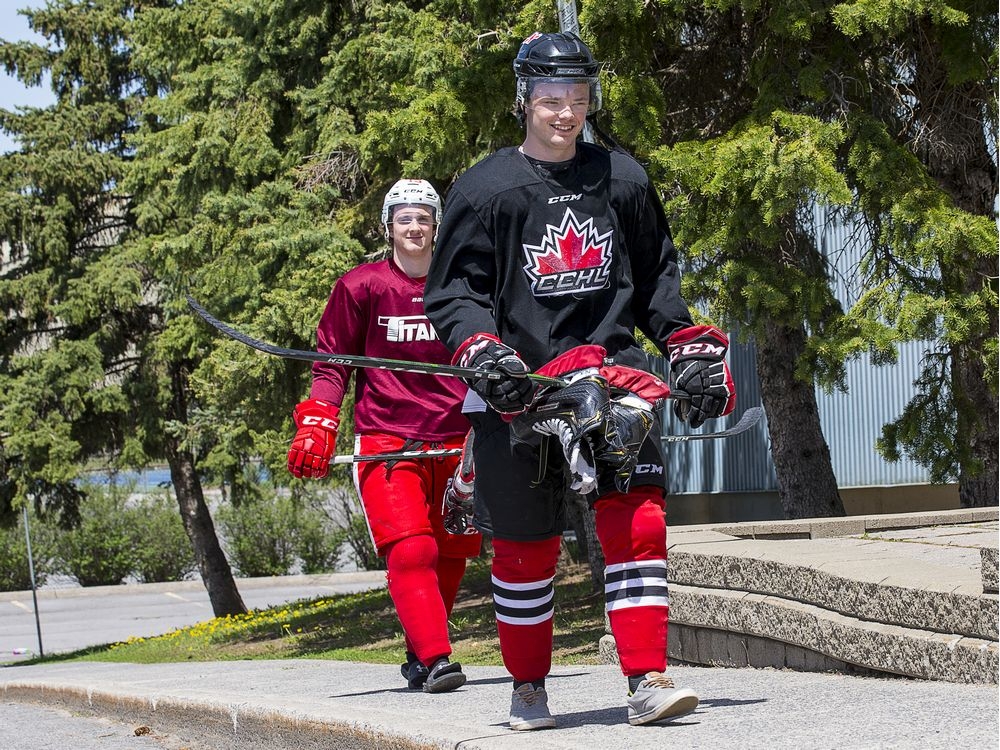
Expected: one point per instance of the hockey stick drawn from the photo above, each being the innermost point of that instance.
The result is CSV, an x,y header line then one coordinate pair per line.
x,y
402,456
570,23
750,417
351,360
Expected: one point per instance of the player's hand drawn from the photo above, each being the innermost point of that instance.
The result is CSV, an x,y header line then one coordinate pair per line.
x,y
700,381
510,395
314,442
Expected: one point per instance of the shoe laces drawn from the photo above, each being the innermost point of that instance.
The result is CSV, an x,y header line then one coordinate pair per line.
x,y
658,680
529,694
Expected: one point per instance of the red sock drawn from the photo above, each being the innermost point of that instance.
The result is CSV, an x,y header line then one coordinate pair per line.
x,y
449,572
522,597
413,586
633,535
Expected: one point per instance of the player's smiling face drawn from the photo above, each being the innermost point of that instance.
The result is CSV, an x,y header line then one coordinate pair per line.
x,y
412,229
555,115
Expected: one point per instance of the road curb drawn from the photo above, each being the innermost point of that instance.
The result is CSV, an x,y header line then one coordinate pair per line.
x,y
215,724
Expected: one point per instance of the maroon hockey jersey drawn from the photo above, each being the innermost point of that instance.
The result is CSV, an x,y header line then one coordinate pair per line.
x,y
376,310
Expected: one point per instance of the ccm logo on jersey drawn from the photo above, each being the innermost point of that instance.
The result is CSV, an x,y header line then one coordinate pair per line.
x,y
565,198
407,328
572,258
648,469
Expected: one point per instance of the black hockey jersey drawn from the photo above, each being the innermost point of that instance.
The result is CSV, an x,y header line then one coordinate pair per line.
x,y
552,256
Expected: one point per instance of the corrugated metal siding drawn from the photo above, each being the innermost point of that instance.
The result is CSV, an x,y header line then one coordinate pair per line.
x,y
852,421
737,464
876,395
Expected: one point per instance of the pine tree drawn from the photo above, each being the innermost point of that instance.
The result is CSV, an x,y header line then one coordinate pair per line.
x,y
766,110
84,377
930,199
69,358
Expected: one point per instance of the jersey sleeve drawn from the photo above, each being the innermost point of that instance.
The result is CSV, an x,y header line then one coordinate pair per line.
x,y
341,330
462,276
658,306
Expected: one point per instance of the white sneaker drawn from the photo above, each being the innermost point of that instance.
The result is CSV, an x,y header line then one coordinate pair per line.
x,y
657,699
529,709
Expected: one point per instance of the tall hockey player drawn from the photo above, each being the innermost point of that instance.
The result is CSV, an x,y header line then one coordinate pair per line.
x,y
549,256
377,310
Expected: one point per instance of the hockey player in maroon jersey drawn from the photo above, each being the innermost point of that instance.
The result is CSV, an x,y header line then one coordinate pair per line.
x,y
549,256
377,310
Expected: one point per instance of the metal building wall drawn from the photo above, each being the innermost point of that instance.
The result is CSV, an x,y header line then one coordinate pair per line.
x,y
852,421
737,464
876,395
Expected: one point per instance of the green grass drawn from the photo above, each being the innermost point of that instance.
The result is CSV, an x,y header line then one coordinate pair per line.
x,y
364,627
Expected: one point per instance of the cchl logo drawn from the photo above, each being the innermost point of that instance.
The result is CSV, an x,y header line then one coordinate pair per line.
x,y
565,198
407,328
648,469
572,258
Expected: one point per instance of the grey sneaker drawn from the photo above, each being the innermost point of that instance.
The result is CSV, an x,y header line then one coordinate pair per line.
x,y
657,699
529,709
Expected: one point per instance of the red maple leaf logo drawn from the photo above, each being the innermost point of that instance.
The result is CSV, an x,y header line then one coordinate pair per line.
x,y
566,250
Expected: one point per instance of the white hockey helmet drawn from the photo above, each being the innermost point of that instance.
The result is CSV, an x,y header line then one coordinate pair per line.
x,y
406,192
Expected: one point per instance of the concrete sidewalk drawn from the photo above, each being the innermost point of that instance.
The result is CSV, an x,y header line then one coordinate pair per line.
x,y
838,604
301,704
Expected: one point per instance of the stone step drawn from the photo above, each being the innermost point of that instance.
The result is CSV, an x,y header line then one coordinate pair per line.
x,y
912,595
879,602
712,627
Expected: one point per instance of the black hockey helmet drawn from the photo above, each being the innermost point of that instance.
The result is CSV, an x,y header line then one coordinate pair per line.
x,y
556,57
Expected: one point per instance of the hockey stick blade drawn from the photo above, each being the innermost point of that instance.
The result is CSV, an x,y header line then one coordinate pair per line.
x,y
750,417
352,360
402,456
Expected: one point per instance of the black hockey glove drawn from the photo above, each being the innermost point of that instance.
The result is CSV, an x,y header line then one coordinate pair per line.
x,y
457,508
512,394
700,381
576,415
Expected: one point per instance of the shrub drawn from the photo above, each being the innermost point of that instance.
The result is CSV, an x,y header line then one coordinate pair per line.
x,y
163,549
15,574
101,550
317,543
260,534
357,539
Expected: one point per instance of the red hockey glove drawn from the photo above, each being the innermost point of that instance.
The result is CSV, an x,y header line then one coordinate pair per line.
x,y
486,352
700,380
313,444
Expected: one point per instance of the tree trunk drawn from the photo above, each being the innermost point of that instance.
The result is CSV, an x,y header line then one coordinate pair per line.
x,y
952,144
977,483
212,563
977,405
807,486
